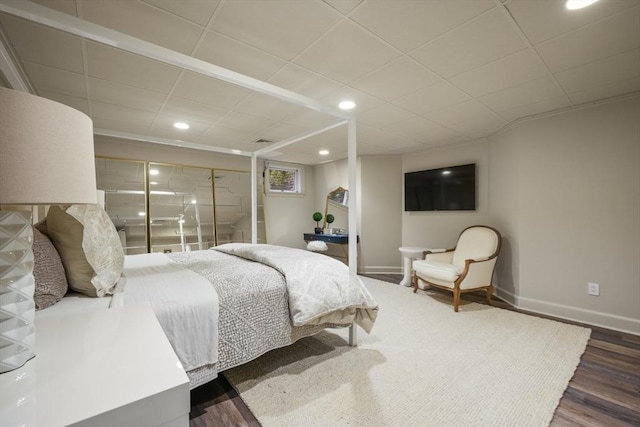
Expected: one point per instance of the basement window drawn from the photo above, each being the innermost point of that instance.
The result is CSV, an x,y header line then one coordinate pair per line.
x,y
283,179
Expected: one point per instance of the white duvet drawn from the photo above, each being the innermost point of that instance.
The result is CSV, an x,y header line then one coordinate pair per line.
x,y
320,288
184,302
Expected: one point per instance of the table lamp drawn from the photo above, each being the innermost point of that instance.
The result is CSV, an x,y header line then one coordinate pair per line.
x,y
46,157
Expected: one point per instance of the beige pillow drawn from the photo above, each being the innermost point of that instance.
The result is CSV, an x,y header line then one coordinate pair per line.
x,y
88,244
48,272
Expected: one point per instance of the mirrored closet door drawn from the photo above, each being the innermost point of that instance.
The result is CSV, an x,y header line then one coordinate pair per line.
x,y
233,207
180,208
123,182
179,201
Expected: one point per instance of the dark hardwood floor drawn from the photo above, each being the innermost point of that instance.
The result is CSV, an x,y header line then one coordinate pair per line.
x,y
604,391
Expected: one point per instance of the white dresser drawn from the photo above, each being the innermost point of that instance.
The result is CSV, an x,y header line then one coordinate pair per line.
x,y
108,367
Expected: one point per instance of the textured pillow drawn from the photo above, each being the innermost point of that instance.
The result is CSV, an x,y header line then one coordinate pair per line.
x,y
88,244
51,283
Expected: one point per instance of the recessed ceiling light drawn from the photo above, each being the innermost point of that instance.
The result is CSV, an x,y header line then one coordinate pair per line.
x,y
181,125
347,105
194,201
153,183
153,172
323,152
141,214
446,172
579,4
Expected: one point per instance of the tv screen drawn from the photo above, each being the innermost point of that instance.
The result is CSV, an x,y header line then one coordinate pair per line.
x,y
444,189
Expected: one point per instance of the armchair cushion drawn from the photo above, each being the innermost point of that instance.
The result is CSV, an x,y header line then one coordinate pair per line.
x,y
437,270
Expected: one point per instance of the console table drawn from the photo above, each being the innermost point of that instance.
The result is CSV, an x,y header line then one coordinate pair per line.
x,y
112,367
341,240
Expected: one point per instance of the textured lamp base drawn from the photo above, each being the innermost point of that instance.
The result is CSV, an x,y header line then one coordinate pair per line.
x,y
17,308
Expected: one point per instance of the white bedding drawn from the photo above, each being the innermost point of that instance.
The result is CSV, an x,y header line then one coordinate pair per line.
x,y
184,302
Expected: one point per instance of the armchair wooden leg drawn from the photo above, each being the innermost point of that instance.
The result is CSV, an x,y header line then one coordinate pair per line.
x,y
456,299
489,294
415,283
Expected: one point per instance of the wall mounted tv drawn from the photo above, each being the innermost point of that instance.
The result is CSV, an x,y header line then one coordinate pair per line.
x,y
444,189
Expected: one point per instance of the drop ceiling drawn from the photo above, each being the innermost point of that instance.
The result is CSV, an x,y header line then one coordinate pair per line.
x,y
423,73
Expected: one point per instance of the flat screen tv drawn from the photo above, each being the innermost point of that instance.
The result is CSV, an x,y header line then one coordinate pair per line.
x,y
444,189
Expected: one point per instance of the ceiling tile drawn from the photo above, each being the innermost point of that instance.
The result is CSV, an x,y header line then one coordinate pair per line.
x,y
244,122
363,100
396,79
233,55
478,128
163,127
608,37
304,82
440,133
44,45
55,80
384,140
259,104
510,71
207,90
119,126
615,68
346,53
462,112
143,21
531,92
537,108
190,110
133,97
407,24
543,20
432,98
284,28
122,114
606,91
343,6
478,42
198,11
281,131
310,119
223,137
64,6
412,128
383,115
80,104
118,66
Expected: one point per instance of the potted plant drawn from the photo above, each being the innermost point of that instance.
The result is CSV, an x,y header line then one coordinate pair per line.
x,y
330,219
317,217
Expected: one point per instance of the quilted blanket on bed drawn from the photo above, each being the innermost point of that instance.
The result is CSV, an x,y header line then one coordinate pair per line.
x,y
320,288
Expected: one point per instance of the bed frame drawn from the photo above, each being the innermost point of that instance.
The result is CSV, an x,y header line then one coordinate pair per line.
x,y
70,24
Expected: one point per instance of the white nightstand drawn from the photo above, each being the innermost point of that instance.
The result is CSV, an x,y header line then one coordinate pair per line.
x,y
109,367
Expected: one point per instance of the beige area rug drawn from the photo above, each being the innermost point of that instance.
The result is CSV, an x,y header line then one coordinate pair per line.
x,y
422,365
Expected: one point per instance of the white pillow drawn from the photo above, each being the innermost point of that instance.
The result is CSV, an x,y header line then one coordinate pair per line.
x,y
89,247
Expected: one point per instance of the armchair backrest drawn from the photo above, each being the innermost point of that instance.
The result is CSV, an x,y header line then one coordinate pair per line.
x,y
477,242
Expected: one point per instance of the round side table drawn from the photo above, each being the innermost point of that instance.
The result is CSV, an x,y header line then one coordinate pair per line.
x,y
409,254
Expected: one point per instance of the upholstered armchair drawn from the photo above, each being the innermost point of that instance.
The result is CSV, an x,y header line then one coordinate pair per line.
x,y
467,267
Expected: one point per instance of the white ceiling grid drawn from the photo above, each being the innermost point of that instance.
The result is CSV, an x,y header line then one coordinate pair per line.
x,y
424,73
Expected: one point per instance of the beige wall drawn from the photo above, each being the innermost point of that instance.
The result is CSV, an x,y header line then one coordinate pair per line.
x,y
441,229
381,214
568,194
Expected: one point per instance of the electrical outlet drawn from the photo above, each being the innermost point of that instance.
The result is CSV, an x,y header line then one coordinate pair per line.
x,y
593,289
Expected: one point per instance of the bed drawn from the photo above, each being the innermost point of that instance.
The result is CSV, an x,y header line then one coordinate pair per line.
x,y
225,306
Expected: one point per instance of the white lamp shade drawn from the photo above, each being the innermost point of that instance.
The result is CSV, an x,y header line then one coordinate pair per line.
x,y
46,152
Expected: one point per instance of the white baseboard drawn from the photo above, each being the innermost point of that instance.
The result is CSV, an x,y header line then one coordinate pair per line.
x,y
576,314
380,269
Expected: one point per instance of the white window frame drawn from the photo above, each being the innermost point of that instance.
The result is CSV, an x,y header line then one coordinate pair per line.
x,y
299,178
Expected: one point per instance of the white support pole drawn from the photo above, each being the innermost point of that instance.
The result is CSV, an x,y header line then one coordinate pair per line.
x,y
353,214
353,196
254,199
